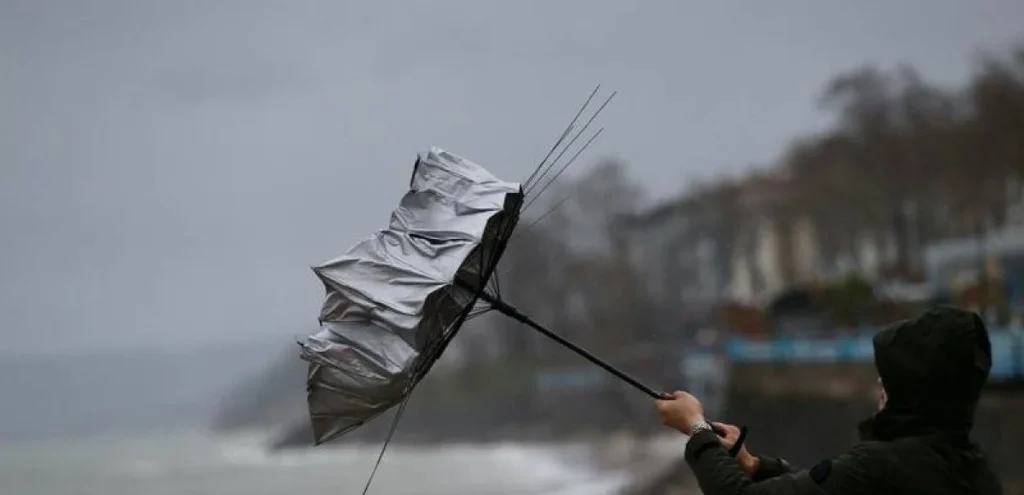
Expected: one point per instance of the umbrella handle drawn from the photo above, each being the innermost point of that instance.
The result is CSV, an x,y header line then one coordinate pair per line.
x,y
511,311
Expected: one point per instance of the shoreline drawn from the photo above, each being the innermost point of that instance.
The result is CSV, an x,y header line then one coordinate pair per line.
x,y
292,438
648,464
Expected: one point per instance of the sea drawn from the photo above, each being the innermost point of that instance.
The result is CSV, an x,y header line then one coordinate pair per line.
x,y
202,464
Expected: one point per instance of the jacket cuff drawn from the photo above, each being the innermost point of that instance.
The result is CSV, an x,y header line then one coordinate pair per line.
x,y
770,467
699,443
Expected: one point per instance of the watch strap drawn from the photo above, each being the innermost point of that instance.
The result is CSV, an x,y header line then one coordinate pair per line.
x,y
705,426
699,427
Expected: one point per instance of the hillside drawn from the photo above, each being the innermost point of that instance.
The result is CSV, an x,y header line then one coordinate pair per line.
x,y
270,397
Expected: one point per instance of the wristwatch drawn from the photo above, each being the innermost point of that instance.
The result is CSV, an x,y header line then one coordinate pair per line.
x,y
699,427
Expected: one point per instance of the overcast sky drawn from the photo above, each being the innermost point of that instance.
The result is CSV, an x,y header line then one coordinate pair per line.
x,y
169,170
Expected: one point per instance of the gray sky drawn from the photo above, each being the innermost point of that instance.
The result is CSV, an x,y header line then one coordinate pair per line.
x,y
169,170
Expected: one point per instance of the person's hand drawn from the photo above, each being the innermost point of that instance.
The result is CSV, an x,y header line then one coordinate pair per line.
x,y
682,412
731,435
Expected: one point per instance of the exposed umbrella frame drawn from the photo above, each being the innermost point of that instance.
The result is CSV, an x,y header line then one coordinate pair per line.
x,y
377,342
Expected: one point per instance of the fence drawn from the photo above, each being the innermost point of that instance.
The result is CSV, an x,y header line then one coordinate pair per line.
x,y
1007,351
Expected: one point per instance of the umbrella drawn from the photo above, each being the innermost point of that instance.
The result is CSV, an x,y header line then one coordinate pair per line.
x,y
397,299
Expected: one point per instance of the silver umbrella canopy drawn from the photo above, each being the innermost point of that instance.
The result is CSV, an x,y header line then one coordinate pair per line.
x,y
396,299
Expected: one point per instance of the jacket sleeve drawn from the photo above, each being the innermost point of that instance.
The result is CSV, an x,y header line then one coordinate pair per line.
x,y
854,473
771,467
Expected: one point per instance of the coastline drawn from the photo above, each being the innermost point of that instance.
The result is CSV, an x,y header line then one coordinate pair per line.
x,y
300,438
646,464
422,431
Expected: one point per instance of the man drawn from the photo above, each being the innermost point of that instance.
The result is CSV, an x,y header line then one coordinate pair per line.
x,y
932,370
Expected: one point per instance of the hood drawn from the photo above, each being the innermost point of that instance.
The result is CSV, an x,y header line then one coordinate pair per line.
x,y
933,369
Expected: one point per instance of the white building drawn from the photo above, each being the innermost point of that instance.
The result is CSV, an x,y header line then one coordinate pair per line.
x,y
678,252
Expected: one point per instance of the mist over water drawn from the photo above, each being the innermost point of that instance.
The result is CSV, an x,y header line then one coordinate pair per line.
x,y
67,395
239,464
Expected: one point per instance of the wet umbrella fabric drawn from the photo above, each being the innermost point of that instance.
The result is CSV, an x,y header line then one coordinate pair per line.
x,y
396,299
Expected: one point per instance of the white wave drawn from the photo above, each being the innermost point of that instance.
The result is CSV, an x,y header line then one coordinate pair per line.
x,y
605,485
540,465
250,451
508,467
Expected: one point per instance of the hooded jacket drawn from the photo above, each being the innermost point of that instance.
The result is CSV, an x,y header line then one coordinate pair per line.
x,y
933,369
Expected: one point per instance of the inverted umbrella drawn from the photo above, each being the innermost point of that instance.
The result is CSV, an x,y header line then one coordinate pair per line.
x,y
397,299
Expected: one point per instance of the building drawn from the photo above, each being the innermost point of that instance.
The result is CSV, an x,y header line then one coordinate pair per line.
x,y
762,252
733,241
998,258
680,251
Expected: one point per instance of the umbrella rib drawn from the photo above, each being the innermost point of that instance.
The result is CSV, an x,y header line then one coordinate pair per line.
x,y
564,167
398,417
542,165
479,312
549,212
534,179
432,352
572,141
541,168
506,233
387,440
565,133
551,165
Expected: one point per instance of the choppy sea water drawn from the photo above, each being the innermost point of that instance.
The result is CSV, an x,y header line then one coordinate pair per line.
x,y
195,464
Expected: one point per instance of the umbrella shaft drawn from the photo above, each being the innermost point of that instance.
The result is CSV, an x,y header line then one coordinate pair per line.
x,y
510,311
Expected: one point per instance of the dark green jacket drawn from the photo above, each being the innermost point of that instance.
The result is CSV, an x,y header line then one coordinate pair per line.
x,y
933,368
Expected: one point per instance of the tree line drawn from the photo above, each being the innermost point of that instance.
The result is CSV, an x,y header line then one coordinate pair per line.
x,y
905,163
913,160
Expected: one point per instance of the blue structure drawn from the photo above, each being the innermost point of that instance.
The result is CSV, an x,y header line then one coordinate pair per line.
x,y
1007,351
